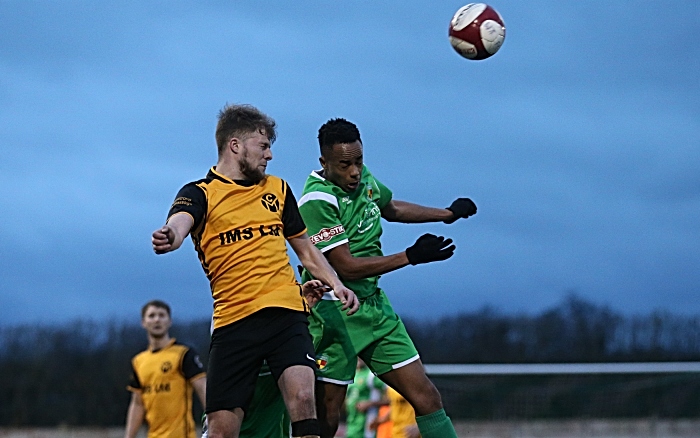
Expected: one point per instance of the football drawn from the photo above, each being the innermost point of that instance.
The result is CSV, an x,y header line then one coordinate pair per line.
x,y
477,31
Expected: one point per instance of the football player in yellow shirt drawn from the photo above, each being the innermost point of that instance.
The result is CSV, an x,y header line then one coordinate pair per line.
x,y
163,379
240,220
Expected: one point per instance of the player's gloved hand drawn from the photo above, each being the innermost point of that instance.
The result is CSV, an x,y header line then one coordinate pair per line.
x,y
461,208
430,248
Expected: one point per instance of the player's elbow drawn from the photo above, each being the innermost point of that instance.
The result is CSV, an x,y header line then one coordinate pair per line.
x,y
350,273
390,215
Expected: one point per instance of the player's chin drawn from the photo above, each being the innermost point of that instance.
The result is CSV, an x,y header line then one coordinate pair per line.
x,y
256,175
158,333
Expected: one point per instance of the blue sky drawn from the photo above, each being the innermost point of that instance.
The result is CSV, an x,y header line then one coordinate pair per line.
x,y
579,141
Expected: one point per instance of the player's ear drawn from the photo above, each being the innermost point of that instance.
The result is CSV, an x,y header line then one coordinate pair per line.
x,y
234,144
322,161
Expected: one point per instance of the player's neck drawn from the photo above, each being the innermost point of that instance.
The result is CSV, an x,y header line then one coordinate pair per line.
x,y
158,343
230,169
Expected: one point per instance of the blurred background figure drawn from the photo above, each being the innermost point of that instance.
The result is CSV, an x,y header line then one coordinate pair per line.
x,y
397,420
362,402
383,422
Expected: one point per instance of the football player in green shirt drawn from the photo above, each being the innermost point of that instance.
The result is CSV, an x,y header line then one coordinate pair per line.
x,y
342,206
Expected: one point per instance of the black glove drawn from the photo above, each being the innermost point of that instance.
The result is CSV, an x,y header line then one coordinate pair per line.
x,y
461,208
430,248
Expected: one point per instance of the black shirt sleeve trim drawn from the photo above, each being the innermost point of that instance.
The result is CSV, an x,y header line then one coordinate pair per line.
x,y
291,218
190,199
134,380
191,364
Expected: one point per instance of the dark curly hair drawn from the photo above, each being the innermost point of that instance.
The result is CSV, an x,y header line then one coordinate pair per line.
x,y
336,131
240,120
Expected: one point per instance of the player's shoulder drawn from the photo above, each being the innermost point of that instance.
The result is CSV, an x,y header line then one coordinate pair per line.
x,y
276,182
198,190
140,356
366,173
182,346
273,179
196,186
319,193
315,182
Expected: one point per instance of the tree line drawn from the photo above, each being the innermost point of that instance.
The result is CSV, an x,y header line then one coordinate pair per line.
x,y
574,331
76,373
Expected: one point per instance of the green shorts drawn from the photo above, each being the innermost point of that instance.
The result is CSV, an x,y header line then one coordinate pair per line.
x,y
375,333
266,416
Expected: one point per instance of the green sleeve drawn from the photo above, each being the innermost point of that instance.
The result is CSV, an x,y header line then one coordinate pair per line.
x,y
385,194
322,218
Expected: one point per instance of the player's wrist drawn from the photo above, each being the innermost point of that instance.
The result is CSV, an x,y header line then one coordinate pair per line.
x,y
448,215
337,285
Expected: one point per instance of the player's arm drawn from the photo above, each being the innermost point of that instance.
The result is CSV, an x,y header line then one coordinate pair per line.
x,y
193,371
354,268
428,248
200,388
322,212
186,213
135,415
313,260
171,235
310,256
407,212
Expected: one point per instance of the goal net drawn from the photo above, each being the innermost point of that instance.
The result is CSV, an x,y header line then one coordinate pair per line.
x,y
564,391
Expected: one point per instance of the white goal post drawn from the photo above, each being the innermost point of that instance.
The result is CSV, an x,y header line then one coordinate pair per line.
x,y
562,368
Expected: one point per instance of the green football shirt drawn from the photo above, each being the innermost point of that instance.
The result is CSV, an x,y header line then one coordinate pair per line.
x,y
334,217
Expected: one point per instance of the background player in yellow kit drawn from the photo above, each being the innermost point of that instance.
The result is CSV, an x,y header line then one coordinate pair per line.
x,y
163,379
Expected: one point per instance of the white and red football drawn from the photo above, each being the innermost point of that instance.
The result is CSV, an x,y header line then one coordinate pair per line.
x,y
477,31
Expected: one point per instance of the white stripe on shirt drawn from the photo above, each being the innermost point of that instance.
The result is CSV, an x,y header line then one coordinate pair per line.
x,y
318,196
